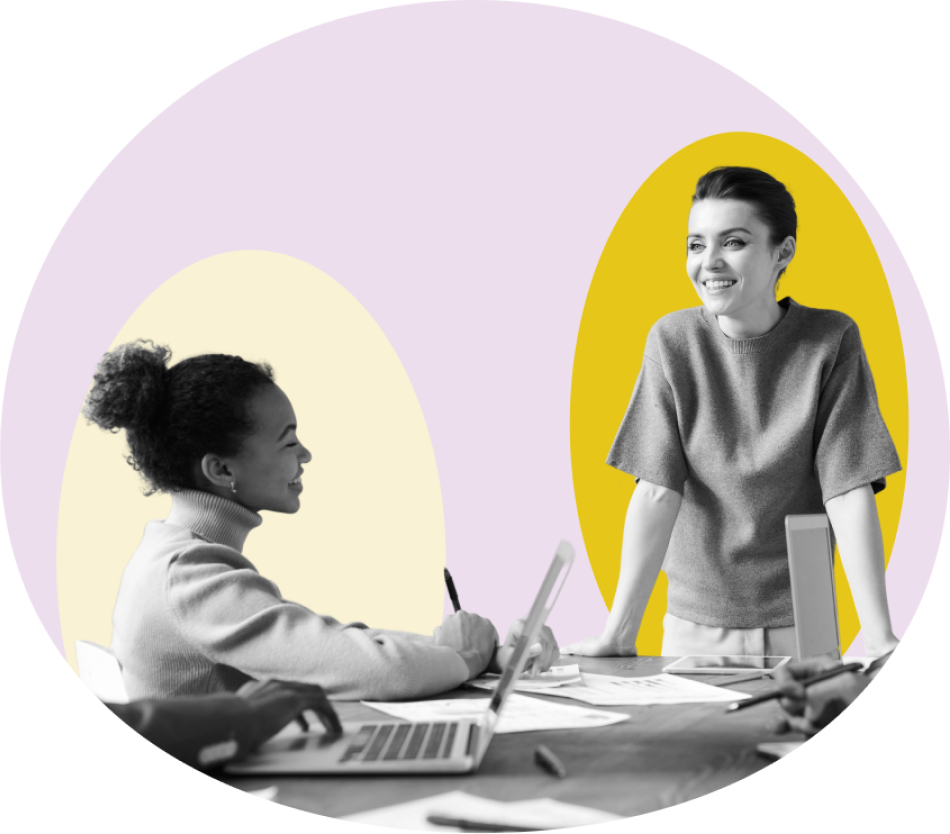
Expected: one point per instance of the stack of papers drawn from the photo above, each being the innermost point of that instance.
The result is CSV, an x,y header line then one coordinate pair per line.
x,y
531,814
519,715
614,691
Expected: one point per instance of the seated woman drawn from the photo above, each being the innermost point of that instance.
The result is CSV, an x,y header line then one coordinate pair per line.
x,y
193,616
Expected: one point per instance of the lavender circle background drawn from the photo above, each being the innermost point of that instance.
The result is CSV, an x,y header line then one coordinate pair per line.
x,y
458,168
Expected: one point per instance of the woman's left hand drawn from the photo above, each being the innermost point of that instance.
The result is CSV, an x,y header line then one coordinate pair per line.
x,y
879,648
540,655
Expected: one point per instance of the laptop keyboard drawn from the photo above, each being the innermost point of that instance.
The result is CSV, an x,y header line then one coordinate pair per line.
x,y
400,742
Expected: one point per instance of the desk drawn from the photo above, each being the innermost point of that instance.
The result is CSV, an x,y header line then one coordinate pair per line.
x,y
661,756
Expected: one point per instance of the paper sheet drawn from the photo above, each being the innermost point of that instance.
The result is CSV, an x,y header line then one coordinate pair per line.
x,y
555,676
531,813
519,715
778,749
614,691
269,793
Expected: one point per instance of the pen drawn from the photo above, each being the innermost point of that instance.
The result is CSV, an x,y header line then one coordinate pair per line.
x,y
777,693
551,763
453,594
473,825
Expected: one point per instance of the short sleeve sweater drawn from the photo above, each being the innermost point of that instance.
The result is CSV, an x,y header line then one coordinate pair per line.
x,y
749,431
193,616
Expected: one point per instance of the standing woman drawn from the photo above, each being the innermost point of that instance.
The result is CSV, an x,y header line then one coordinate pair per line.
x,y
193,615
746,409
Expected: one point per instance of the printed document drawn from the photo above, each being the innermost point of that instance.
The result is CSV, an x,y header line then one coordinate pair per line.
x,y
519,715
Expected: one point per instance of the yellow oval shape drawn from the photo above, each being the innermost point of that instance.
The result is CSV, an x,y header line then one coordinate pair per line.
x,y
372,505
641,276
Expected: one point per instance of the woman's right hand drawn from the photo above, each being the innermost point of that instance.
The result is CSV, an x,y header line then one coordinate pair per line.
x,y
601,646
473,637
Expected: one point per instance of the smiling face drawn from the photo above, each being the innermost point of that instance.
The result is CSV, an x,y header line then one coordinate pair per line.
x,y
267,469
732,263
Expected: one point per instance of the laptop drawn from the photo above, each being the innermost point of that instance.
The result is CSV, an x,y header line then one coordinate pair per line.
x,y
812,574
450,746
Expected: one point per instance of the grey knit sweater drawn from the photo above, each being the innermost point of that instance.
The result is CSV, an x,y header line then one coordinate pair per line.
x,y
749,431
194,616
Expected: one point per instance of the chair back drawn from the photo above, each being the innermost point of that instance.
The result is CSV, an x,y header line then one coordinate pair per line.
x,y
101,671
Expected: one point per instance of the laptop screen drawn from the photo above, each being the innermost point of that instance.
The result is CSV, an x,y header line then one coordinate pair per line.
x,y
543,603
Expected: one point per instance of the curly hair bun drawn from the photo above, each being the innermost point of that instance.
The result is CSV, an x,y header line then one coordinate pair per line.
x,y
128,386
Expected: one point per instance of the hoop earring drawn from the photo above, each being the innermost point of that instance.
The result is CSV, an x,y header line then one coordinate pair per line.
x,y
233,488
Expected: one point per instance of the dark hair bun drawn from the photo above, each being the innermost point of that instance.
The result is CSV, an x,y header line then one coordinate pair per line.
x,y
128,386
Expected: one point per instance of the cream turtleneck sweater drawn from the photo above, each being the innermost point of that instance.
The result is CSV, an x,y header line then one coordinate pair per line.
x,y
194,616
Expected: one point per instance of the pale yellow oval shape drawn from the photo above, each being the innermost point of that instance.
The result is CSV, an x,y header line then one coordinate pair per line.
x,y
369,540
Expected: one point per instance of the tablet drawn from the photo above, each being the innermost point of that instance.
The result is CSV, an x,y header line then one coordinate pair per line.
x,y
727,664
811,570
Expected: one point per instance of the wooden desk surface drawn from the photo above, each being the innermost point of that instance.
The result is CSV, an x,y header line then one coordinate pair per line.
x,y
661,756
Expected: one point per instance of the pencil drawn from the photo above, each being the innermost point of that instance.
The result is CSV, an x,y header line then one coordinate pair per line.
x,y
777,693
453,594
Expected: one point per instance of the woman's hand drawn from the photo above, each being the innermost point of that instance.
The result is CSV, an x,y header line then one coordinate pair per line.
x,y
808,710
879,648
541,655
473,637
602,646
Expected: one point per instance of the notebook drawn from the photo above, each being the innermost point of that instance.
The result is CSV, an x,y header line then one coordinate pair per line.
x,y
407,747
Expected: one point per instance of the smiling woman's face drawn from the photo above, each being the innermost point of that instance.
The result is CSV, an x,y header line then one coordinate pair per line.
x,y
730,259
268,468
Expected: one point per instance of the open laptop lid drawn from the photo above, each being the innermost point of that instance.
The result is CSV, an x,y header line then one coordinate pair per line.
x,y
543,603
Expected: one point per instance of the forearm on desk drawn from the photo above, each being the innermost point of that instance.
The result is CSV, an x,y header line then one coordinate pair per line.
x,y
647,528
238,618
857,529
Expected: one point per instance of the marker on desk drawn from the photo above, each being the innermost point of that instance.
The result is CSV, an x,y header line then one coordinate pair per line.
x,y
777,693
551,763
453,594
475,825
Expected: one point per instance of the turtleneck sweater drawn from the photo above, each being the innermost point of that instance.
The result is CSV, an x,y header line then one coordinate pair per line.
x,y
749,431
193,616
